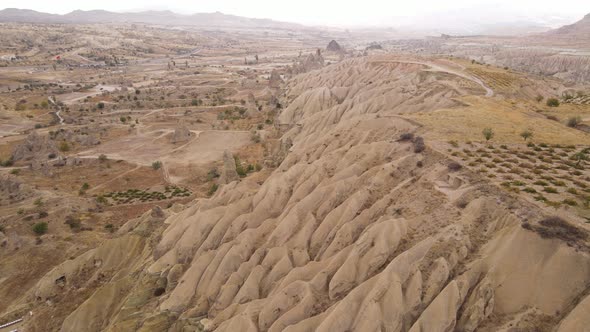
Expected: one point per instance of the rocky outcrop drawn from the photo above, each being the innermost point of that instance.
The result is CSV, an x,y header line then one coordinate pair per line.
x,y
181,133
35,147
333,46
13,190
228,172
275,79
307,63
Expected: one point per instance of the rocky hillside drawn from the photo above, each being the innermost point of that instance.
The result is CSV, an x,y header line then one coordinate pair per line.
x,y
362,227
580,29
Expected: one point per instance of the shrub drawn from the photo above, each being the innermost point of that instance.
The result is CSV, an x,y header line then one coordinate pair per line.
x,y
73,222
40,228
100,105
156,165
454,166
526,134
102,158
488,133
539,98
212,189
552,102
64,146
419,145
212,174
454,143
574,121
570,202
406,137
550,190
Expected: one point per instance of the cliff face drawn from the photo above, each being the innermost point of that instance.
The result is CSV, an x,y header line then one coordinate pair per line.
x,y
356,230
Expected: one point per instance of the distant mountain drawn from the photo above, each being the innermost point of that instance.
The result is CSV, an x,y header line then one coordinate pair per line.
x,y
149,17
580,29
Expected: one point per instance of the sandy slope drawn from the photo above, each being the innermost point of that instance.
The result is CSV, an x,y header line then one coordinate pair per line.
x,y
354,231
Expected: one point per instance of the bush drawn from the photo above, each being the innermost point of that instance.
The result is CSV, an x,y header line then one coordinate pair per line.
x,y
550,190
552,102
102,158
64,147
570,202
539,98
100,105
454,166
419,145
488,133
212,174
73,222
212,189
526,134
156,165
574,121
406,137
40,228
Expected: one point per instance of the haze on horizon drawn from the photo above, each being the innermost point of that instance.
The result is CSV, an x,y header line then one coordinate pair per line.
x,y
337,13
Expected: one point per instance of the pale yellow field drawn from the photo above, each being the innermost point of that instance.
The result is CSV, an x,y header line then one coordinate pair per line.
x,y
507,120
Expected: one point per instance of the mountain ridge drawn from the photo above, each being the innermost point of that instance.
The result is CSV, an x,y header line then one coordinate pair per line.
x,y
215,19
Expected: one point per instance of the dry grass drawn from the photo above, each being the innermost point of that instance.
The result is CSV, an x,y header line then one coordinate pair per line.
x,y
507,121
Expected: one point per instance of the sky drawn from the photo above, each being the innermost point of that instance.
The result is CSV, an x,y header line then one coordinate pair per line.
x,y
339,12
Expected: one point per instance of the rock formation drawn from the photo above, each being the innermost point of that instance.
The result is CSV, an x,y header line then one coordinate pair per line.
x,y
275,79
308,63
35,147
181,133
333,46
354,231
13,190
228,172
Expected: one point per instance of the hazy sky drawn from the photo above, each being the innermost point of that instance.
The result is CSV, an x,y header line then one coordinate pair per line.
x,y
336,12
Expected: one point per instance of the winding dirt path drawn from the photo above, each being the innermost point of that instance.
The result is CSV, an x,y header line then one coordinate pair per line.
x,y
440,68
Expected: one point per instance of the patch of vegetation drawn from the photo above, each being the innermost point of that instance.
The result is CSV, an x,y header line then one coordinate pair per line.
x,y
64,146
552,102
40,228
212,189
156,165
574,121
488,134
550,190
526,134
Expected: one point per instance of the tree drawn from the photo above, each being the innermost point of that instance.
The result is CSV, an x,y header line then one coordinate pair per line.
x,y
526,134
552,102
100,105
488,133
